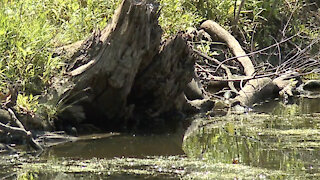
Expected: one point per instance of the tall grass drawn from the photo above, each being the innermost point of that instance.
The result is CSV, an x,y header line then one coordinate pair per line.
x,y
29,29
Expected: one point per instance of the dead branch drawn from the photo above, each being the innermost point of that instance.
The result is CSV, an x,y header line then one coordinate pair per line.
x,y
258,51
226,69
215,29
20,130
255,90
237,16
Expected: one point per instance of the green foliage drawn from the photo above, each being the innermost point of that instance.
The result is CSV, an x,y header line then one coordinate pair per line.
x,y
29,29
175,17
27,103
49,111
216,10
311,76
261,22
28,175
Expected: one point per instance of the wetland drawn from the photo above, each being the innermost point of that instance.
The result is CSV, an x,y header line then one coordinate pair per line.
x,y
283,142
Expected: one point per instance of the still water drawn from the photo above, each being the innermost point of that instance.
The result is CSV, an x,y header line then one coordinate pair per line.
x,y
281,143
137,146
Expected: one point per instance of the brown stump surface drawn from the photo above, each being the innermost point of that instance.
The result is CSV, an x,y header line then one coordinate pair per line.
x,y
126,61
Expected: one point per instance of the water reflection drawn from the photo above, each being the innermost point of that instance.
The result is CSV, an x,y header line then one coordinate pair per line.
x,y
297,107
121,146
284,144
287,143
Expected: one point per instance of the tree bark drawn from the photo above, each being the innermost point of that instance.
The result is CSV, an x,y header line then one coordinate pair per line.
x,y
214,29
124,70
257,90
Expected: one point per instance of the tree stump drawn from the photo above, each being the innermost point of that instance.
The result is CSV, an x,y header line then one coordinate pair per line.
x,y
125,70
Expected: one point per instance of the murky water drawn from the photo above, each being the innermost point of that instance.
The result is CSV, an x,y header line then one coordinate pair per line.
x,y
273,143
129,145
282,144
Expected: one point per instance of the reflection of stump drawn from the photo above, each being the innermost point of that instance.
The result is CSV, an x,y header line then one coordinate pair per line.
x,y
123,70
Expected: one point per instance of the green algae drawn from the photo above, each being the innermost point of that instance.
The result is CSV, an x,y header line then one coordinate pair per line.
x,y
281,145
290,144
156,167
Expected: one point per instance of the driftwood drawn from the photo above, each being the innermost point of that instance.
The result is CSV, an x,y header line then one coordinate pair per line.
x,y
254,88
257,90
125,72
214,29
8,117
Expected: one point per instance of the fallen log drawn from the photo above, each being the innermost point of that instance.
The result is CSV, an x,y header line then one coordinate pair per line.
x,y
263,88
256,90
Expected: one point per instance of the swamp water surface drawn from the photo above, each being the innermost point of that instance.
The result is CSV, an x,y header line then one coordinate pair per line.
x,y
283,144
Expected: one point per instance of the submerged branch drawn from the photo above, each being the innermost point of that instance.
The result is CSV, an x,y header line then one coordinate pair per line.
x,y
20,130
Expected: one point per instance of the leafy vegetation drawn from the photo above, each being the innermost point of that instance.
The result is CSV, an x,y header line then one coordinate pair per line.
x,y
260,22
176,17
31,29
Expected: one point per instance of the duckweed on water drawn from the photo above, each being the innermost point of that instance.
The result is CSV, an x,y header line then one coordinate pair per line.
x,y
287,143
241,146
172,167
250,146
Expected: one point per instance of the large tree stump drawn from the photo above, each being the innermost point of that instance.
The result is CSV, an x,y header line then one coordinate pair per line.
x,y
158,86
124,70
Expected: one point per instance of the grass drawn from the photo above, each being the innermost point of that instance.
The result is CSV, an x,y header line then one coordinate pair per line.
x,y
31,29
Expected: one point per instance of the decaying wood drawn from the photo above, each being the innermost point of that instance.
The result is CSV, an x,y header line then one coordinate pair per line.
x,y
124,73
254,87
194,90
214,29
256,90
165,78
225,68
124,70
17,130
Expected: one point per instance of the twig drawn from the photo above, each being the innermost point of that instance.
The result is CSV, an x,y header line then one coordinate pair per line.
x,y
279,50
290,17
252,44
236,19
296,56
15,119
227,70
13,129
259,51
21,130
